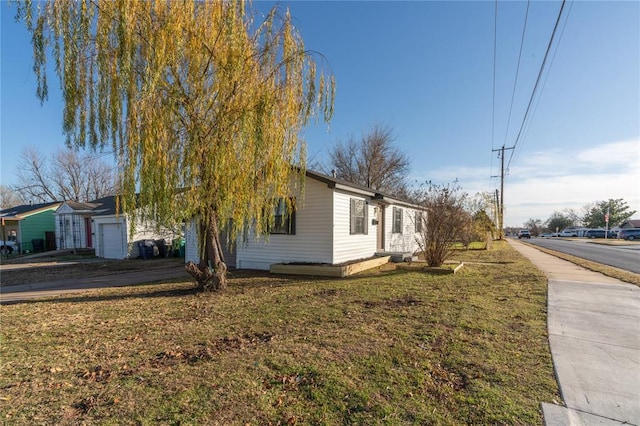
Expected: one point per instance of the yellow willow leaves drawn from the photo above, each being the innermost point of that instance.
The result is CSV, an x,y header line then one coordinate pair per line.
x,y
202,106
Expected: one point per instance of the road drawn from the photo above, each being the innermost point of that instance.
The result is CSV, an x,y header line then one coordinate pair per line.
x,y
625,257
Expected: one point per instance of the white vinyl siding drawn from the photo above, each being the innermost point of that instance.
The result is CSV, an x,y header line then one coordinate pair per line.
x,y
70,231
311,243
349,246
404,241
191,243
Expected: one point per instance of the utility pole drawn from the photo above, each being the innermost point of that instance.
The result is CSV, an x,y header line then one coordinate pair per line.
x,y
501,206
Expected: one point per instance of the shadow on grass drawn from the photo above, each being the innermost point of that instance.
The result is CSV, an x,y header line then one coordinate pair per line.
x,y
239,281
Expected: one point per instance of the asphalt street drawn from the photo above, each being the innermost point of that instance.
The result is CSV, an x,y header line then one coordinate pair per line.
x,y
623,256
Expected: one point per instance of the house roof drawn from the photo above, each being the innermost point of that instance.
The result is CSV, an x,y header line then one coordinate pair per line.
x,y
21,211
80,206
635,223
343,184
106,206
99,207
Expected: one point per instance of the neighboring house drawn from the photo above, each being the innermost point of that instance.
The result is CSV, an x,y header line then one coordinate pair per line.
x,y
28,224
631,223
336,222
96,225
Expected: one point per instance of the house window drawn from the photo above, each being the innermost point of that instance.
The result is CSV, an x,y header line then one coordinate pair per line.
x,y
397,221
358,215
284,221
418,222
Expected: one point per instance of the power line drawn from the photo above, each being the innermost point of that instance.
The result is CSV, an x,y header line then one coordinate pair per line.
x,y
493,101
515,81
535,87
535,108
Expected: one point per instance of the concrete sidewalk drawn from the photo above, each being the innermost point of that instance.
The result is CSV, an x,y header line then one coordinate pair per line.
x,y
594,336
18,293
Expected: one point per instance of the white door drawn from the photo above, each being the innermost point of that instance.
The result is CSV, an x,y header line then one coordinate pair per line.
x,y
112,242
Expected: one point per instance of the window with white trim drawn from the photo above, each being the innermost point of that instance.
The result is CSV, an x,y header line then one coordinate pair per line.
x,y
397,221
418,221
358,217
284,220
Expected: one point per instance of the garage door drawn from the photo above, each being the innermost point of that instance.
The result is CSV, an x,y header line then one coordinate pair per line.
x,y
112,242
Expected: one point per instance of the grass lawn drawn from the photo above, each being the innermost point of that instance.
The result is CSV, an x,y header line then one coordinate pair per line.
x,y
383,347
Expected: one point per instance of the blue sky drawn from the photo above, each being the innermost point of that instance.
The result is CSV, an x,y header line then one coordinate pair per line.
x,y
426,70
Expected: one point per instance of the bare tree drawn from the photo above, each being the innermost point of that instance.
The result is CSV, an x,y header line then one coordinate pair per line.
x,y
67,176
576,217
33,177
9,197
445,222
372,161
534,225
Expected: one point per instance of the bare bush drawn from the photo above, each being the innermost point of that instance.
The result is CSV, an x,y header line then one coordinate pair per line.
x,y
445,222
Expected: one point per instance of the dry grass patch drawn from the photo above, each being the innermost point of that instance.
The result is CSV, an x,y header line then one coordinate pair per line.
x,y
392,347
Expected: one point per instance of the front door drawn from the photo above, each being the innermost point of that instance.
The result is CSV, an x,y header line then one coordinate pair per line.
x,y
380,228
87,230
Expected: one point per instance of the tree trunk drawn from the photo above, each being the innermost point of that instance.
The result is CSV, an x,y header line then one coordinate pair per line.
x,y
211,273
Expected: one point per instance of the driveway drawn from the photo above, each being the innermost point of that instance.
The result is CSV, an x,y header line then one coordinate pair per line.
x,y
154,272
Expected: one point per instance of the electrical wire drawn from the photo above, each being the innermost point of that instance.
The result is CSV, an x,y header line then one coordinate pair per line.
x,y
493,101
515,82
535,108
535,87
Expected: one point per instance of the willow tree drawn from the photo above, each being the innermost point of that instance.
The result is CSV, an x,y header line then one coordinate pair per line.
x,y
202,105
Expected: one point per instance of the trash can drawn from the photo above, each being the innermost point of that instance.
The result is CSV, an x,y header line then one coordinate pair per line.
x,y
150,249
162,248
142,250
38,244
181,247
147,249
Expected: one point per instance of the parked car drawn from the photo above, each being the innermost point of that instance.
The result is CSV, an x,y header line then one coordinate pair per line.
x,y
524,233
568,233
629,234
599,233
548,234
8,247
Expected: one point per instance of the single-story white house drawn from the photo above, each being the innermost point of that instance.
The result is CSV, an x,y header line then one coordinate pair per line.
x,y
336,222
96,225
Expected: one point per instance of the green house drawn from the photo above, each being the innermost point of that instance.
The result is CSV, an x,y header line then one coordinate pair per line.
x,y
31,226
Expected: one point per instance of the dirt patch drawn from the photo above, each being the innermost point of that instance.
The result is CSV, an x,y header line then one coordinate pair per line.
x,y
392,303
207,352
